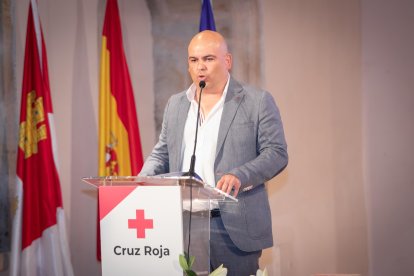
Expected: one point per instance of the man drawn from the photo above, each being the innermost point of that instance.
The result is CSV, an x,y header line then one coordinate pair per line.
x,y
241,145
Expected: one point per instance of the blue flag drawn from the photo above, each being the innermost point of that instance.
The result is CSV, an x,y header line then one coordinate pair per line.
x,y
207,17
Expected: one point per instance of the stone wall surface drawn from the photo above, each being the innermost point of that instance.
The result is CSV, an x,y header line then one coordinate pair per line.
x,y
8,123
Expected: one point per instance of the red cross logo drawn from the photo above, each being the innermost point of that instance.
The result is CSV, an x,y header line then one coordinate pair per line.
x,y
140,223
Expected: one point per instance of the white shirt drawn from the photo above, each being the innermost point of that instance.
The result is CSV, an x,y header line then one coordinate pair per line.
x,y
207,137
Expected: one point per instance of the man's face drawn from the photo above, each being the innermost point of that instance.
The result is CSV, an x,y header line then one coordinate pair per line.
x,y
208,60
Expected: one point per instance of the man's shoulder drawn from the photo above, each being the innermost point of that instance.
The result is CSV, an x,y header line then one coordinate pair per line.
x,y
247,87
250,91
177,98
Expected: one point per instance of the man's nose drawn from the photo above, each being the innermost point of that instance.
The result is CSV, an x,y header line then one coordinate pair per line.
x,y
201,65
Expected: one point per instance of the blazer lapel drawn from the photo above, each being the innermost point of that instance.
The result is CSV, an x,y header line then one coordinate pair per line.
x,y
231,104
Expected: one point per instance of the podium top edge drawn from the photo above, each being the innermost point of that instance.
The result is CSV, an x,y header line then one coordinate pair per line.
x,y
98,181
184,181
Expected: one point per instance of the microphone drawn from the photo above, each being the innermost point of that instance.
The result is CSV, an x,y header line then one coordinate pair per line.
x,y
191,172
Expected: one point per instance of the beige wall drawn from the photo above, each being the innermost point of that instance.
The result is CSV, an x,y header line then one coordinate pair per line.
x,y
312,66
388,104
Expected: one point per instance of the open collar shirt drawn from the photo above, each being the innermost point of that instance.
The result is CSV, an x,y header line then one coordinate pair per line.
x,y
207,136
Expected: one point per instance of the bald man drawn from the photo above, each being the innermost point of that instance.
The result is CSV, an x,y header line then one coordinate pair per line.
x,y
241,146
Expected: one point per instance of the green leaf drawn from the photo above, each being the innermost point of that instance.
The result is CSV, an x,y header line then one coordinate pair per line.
x,y
183,262
190,273
190,265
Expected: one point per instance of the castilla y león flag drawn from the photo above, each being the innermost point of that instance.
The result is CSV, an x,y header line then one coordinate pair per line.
x,y
39,245
119,141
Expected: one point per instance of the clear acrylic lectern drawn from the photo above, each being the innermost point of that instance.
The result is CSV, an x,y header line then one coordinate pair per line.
x,y
144,223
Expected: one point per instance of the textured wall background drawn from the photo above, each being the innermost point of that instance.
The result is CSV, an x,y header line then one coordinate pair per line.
x,y
8,120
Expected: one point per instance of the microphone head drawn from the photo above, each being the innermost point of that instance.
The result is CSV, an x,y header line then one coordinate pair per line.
x,y
202,84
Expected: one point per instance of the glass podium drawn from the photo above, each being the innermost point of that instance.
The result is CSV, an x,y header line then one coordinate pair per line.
x,y
147,222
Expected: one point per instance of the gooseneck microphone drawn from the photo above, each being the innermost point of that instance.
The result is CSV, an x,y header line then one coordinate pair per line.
x,y
191,172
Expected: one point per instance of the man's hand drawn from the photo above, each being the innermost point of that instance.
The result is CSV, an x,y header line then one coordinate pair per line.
x,y
229,182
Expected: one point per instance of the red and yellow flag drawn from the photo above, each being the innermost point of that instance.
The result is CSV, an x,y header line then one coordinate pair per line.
x,y
39,245
120,150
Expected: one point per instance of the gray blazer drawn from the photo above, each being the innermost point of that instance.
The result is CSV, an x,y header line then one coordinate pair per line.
x,y
251,145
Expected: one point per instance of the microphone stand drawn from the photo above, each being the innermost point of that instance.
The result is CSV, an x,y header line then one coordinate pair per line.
x,y
191,172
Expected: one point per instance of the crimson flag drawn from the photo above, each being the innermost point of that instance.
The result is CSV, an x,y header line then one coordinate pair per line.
x,y
39,245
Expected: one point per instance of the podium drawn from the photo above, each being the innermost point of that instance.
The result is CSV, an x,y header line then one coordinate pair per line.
x,y
147,222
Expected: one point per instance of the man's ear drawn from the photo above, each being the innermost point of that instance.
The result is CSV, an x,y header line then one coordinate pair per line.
x,y
229,60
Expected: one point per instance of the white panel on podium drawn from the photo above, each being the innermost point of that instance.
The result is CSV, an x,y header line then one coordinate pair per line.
x,y
143,232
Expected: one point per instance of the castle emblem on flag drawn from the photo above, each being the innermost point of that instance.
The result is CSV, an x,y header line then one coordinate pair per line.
x,y
33,129
111,159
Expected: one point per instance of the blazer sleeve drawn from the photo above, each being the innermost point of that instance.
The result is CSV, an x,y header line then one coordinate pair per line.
x,y
158,161
272,156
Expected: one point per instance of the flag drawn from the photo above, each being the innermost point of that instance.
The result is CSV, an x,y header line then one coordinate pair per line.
x,y
207,17
39,245
120,152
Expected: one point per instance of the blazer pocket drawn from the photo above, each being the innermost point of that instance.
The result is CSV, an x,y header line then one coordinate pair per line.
x,y
247,124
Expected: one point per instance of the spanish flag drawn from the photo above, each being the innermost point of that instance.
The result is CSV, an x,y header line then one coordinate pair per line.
x,y
39,242
120,152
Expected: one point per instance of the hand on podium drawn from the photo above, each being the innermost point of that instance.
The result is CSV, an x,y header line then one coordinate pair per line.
x,y
228,183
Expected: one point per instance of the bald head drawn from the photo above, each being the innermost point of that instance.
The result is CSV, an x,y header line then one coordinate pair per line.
x,y
211,38
209,60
